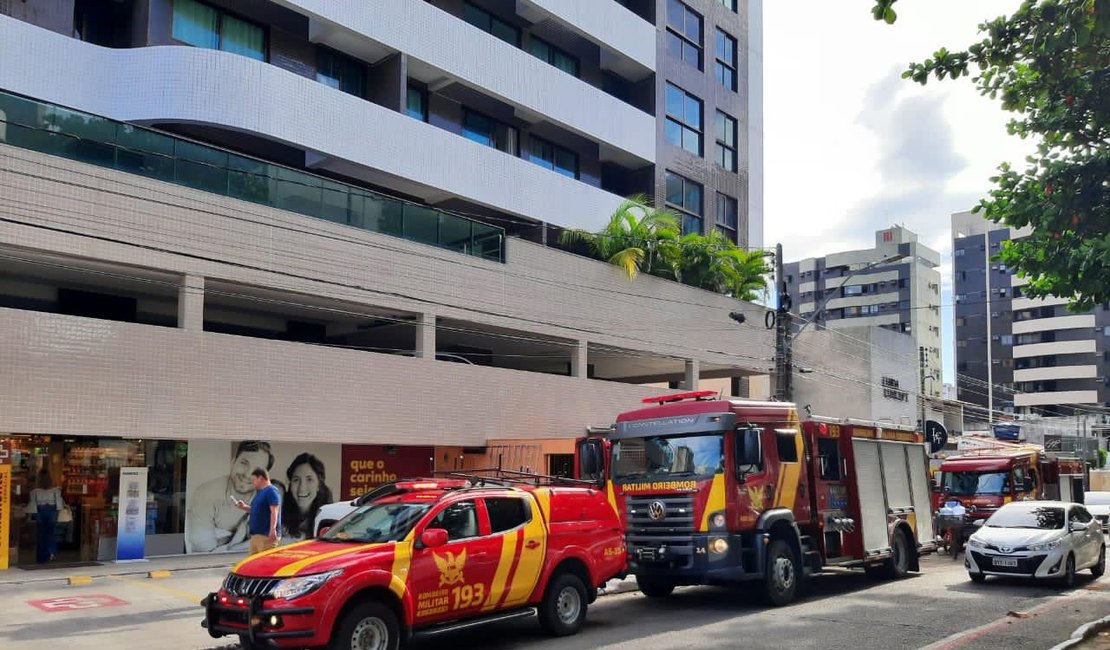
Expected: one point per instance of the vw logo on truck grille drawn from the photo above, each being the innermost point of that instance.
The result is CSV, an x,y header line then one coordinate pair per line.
x,y
657,510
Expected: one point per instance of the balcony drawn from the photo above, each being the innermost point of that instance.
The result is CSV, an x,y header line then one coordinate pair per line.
x,y
627,44
1056,372
1056,347
1056,397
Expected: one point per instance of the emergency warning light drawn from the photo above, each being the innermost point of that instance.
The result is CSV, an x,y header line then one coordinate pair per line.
x,y
678,397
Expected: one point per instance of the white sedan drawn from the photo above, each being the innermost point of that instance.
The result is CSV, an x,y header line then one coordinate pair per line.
x,y
1037,539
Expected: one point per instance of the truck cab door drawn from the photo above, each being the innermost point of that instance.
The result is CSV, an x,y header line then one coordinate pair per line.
x,y
519,530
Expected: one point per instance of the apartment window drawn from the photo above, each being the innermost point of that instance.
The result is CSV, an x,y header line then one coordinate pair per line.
x,y
852,290
550,155
340,71
545,51
959,252
727,216
686,196
728,4
416,103
491,24
200,25
726,141
684,33
490,132
725,68
683,127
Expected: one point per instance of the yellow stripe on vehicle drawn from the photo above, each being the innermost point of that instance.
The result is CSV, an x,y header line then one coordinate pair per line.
x,y
786,492
612,498
402,558
501,576
272,551
715,502
531,559
543,496
294,567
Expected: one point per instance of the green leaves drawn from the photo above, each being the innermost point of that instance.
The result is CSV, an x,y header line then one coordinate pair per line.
x,y
884,11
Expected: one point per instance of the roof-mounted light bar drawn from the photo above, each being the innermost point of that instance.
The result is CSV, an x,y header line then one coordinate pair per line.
x,y
678,397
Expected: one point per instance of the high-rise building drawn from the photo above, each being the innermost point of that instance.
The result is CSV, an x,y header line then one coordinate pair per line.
x,y
323,237
1016,354
894,285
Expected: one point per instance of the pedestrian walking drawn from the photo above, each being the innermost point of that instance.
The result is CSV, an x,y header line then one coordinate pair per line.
x,y
46,501
265,512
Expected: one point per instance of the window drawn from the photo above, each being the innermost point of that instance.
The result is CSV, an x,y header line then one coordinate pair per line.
x,y
959,252
507,514
491,24
728,4
416,103
725,67
340,71
684,33
552,156
490,132
683,127
727,217
200,25
852,290
787,447
828,459
686,195
726,141
460,520
545,51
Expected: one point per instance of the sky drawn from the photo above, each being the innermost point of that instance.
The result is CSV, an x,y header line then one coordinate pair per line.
x,y
850,147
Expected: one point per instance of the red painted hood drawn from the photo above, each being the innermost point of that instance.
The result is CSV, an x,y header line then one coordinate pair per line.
x,y
314,556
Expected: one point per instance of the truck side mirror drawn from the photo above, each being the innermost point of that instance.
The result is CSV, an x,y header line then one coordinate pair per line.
x,y
433,537
591,464
749,451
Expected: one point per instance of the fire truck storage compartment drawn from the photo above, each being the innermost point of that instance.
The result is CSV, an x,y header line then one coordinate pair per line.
x,y
891,479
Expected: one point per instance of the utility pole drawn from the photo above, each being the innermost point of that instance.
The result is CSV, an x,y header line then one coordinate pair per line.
x,y
784,365
923,362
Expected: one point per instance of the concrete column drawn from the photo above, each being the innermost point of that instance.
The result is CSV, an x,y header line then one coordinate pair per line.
x,y
579,358
190,303
426,336
693,370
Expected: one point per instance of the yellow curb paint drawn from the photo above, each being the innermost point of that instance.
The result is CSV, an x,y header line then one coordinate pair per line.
x,y
78,581
170,590
161,573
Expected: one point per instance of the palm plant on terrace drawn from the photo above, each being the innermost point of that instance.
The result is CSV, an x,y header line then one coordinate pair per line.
x,y
638,238
715,263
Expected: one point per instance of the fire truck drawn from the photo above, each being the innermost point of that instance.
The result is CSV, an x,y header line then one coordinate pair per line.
x,y
726,491
985,479
428,556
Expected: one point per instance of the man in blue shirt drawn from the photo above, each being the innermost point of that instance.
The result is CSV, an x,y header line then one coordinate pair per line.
x,y
265,512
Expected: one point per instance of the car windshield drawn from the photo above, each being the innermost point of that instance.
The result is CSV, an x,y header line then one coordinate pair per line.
x,y
379,522
1043,518
966,484
658,456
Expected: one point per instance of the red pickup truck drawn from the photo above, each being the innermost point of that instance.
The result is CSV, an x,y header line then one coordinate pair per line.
x,y
427,557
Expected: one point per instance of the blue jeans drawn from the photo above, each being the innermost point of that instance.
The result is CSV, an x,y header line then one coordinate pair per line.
x,y
47,544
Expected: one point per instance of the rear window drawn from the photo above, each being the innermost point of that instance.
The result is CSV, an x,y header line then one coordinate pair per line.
x,y
507,513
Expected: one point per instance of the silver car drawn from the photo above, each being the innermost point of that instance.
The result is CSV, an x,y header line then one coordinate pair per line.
x,y
1098,504
1037,539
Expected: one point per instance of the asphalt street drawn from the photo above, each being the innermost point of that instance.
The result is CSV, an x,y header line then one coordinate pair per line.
x,y
938,608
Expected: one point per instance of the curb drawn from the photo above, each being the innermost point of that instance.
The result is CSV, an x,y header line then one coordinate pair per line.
x,y
1084,632
81,580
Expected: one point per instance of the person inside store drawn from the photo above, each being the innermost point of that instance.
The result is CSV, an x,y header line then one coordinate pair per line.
x,y
46,502
264,512
306,493
214,522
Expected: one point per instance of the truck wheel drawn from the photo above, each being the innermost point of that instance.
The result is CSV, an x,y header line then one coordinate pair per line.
x,y
783,573
245,642
898,566
368,626
564,605
654,587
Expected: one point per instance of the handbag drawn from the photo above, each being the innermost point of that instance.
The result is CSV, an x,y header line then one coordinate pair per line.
x,y
65,515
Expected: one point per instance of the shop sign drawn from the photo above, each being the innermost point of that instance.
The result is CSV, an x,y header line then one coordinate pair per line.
x,y
5,452
76,603
131,528
367,466
5,512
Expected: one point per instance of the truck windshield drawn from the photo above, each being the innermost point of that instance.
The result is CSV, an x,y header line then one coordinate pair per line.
x,y
382,522
966,484
694,455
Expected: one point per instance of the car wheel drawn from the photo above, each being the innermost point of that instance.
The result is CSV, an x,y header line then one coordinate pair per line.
x,y
1068,579
1100,567
564,605
783,574
978,578
368,626
654,588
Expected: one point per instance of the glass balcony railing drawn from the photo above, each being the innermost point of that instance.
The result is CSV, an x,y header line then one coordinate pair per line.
x,y
58,131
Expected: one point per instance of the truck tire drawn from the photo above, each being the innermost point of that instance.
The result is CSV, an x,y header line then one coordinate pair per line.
x,y
245,642
783,574
370,625
654,587
564,605
898,566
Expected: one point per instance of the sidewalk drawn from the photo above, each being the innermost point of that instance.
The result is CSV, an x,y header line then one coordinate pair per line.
x,y
16,576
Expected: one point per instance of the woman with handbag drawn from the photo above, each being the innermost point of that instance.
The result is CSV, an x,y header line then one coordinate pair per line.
x,y
46,501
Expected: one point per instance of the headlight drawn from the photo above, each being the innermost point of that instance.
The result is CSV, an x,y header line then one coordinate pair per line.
x,y
717,520
1045,546
295,587
718,546
974,543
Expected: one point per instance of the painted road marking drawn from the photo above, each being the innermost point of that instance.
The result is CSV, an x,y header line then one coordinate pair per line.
x,y
160,587
70,603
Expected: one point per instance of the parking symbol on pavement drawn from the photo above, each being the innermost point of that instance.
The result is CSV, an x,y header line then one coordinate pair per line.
x,y
71,603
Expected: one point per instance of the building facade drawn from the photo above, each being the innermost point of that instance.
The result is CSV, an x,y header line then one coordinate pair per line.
x,y
1017,354
308,236
860,289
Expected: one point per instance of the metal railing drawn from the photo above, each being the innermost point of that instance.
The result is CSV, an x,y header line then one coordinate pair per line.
x,y
51,129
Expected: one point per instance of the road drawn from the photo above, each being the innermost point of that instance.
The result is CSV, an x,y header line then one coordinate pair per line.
x,y
938,608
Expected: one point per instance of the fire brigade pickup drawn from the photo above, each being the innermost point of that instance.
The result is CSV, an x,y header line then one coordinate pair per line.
x,y
428,556
714,491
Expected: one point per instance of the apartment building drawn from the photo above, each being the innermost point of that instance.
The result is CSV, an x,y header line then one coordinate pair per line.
x,y
1016,354
894,285
322,238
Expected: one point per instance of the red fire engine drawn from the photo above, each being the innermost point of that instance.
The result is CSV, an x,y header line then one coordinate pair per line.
x,y
718,491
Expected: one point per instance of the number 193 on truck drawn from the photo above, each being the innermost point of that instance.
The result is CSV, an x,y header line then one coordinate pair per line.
x,y
726,491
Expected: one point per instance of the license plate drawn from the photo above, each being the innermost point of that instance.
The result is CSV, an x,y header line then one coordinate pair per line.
x,y
1005,561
